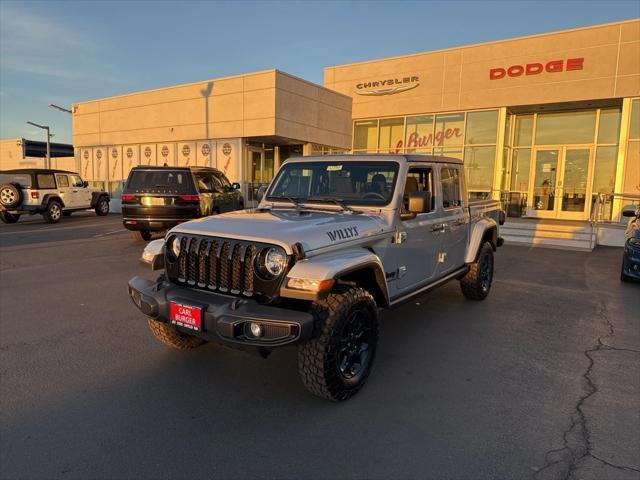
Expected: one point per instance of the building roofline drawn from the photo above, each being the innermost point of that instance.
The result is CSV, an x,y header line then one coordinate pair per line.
x,y
489,42
198,82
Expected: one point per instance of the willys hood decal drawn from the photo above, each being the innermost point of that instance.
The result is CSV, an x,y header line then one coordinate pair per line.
x,y
312,229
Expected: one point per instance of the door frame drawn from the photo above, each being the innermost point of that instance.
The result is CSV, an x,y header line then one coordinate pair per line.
x,y
557,213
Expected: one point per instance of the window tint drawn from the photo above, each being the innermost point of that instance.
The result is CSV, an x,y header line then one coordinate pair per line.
x,y
46,180
63,181
418,180
170,181
23,179
204,182
450,187
217,184
76,181
225,182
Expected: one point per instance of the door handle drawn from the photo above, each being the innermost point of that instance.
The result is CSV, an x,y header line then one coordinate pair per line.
x,y
75,191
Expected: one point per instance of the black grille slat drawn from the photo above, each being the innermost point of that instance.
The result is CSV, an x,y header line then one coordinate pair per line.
x,y
224,259
202,263
213,265
192,260
182,260
249,256
236,269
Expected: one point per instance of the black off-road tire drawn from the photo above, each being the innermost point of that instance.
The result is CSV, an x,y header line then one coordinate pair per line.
x,y
102,207
53,212
318,359
173,338
476,284
10,195
7,217
141,235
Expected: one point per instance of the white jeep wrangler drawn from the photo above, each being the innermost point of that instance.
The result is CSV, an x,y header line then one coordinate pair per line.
x,y
334,240
52,193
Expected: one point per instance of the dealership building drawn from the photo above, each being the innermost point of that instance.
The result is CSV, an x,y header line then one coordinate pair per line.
x,y
549,123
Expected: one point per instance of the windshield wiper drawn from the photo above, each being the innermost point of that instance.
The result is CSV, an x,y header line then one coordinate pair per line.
x,y
338,201
293,200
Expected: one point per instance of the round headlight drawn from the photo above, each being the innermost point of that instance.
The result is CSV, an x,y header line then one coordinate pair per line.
x,y
174,246
274,261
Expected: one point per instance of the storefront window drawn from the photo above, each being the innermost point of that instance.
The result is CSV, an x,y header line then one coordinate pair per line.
x,y
391,134
365,136
479,163
520,166
604,174
507,131
482,127
419,134
565,128
524,131
609,127
449,152
634,127
449,131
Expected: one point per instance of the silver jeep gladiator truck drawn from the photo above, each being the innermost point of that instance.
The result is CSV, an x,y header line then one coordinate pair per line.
x,y
333,240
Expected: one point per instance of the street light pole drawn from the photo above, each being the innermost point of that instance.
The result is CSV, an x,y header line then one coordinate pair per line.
x,y
45,127
58,107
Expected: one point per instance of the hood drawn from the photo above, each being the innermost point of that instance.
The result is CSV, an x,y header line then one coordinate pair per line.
x,y
284,227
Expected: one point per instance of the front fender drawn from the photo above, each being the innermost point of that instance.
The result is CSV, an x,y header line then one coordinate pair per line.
x,y
336,265
482,227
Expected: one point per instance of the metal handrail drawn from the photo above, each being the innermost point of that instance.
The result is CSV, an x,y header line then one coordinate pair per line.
x,y
602,200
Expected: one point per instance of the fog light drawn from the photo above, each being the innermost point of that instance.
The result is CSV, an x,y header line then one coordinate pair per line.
x,y
255,329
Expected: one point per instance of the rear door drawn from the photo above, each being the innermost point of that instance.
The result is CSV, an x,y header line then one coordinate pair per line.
x,y
455,220
66,192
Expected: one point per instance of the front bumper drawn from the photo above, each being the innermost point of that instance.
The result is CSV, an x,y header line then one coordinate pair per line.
x,y
225,318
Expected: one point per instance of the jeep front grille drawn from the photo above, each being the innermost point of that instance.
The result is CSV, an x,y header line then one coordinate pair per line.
x,y
223,265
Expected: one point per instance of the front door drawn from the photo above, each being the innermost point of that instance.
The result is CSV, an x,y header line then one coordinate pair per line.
x,y
66,192
418,242
560,187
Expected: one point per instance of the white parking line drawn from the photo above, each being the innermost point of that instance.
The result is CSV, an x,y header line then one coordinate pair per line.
x,y
44,229
120,230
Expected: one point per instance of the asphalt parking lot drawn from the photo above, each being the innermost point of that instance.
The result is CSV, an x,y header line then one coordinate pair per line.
x,y
540,381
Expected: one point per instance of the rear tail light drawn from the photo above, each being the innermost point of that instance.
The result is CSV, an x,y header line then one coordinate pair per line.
x,y
127,197
35,195
190,198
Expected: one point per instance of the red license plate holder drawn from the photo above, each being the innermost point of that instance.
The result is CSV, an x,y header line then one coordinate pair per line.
x,y
186,316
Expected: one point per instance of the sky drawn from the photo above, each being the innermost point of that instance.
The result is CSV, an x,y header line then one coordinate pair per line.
x,y
68,51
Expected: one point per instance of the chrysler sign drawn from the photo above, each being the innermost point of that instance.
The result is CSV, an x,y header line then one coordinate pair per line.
x,y
388,86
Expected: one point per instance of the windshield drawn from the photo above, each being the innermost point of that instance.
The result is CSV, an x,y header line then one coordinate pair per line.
x,y
352,182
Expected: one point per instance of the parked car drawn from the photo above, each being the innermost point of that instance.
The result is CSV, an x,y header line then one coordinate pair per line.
x,y
159,198
334,240
631,255
51,193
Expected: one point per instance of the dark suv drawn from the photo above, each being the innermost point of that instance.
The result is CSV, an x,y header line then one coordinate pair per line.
x,y
159,198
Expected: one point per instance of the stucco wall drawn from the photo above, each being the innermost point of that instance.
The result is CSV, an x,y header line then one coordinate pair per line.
x,y
254,105
459,78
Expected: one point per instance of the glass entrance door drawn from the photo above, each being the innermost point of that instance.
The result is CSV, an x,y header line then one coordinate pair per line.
x,y
560,186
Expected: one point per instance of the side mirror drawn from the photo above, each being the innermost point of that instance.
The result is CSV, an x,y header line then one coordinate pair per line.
x,y
85,184
628,213
419,202
260,193
235,186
